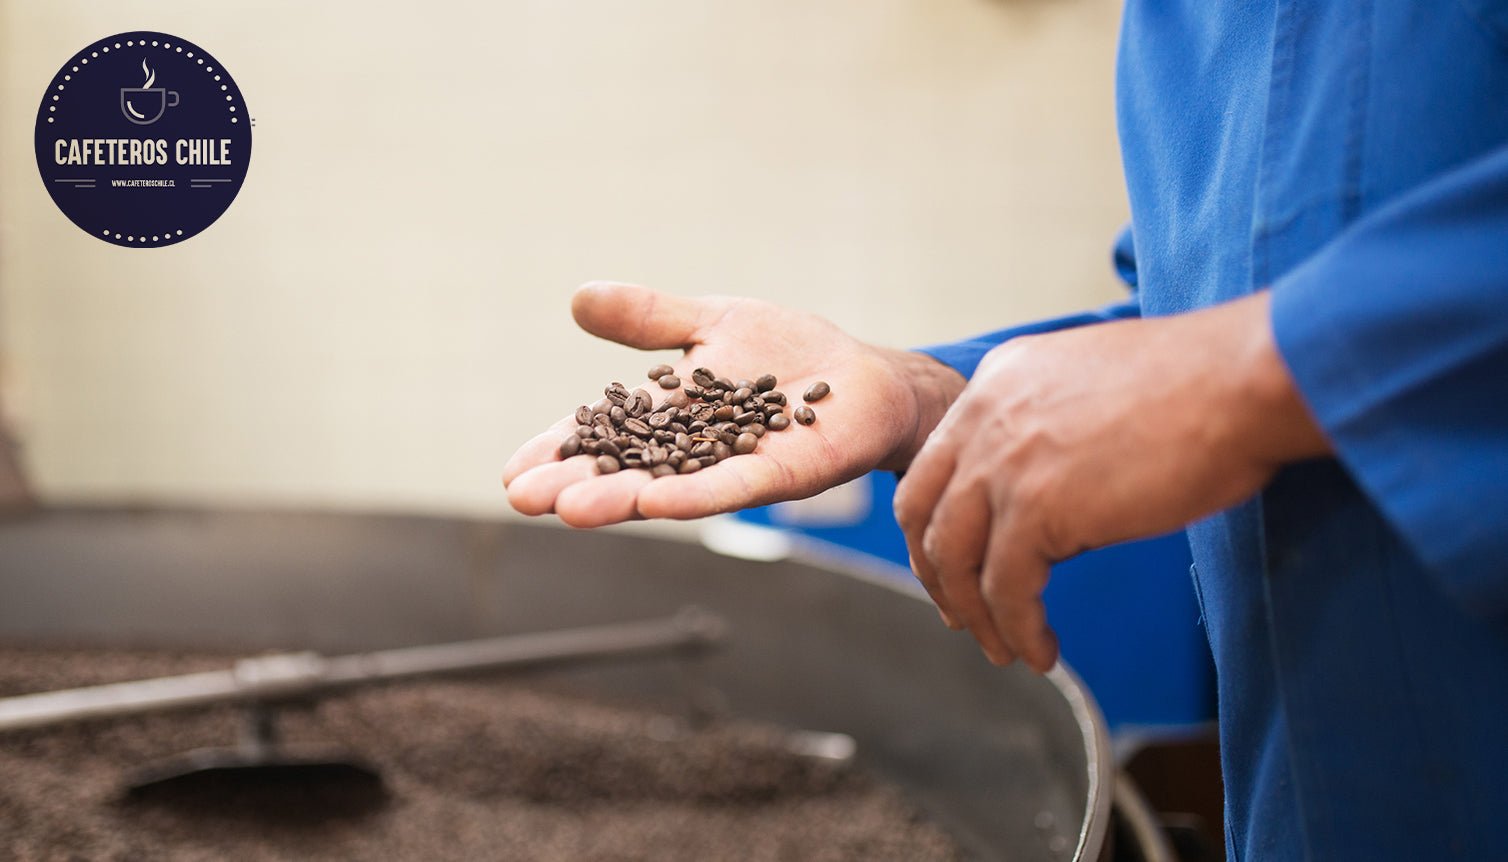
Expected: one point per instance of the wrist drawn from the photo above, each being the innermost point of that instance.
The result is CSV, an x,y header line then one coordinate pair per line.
x,y
929,388
1275,418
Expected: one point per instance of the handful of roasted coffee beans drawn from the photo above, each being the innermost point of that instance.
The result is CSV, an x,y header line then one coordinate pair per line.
x,y
695,426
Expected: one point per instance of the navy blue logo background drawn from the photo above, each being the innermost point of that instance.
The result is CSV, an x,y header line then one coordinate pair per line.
x,y
153,135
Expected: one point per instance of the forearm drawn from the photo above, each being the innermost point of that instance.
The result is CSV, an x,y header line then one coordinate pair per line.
x,y
965,356
1253,405
1256,408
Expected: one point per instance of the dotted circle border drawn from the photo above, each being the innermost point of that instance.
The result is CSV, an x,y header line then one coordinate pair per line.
x,y
104,48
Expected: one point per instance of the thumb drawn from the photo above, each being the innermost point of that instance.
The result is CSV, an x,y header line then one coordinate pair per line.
x,y
640,317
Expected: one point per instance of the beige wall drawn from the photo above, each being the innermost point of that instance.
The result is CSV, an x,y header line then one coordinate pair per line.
x,y
430,180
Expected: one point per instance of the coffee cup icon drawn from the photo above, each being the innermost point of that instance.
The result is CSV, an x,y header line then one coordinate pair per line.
x,y
146,105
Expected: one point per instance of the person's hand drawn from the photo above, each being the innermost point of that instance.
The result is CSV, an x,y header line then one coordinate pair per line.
x,y
882,405
1079,439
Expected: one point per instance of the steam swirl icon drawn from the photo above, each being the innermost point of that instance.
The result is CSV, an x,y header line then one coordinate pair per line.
x,y
154,99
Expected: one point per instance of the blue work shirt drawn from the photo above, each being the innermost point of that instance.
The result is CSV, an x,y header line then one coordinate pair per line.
x,y
1353,157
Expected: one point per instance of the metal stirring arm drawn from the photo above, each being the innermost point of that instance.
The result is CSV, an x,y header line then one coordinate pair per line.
x,y
307,674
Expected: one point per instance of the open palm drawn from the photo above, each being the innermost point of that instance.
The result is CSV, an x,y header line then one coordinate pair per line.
x,y
871,419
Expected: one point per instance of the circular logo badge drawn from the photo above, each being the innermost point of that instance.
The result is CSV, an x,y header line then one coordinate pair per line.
x,y
143,139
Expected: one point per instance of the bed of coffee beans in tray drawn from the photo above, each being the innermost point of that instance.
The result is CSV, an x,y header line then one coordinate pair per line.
x,y
473,769
692,428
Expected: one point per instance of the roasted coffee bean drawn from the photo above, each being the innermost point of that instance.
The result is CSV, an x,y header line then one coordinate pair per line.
x,y
694,427
570,446
607,464
816,392
639,403
662,470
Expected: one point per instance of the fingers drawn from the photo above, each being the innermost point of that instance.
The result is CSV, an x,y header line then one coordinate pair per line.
x,y
915,498
934,592
534,491
954,545
574,490
542,449
978,564
602,500
640,317
737,483
1013,579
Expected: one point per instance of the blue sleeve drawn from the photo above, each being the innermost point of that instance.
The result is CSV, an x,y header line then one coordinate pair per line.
x,y
1396,333
964,356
